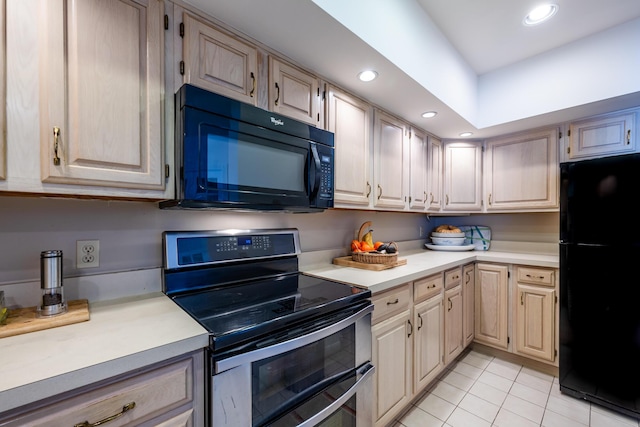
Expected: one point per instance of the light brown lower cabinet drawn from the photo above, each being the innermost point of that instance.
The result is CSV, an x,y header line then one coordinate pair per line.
x,y
491,305
169,394
407,344
535,312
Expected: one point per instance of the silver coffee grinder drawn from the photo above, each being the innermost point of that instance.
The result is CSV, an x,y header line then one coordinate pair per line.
x,y
53,301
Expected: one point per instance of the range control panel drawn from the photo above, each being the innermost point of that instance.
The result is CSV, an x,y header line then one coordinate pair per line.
x,y
183,249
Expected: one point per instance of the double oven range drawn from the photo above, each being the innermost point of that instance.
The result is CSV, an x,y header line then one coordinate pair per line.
x,y
285,348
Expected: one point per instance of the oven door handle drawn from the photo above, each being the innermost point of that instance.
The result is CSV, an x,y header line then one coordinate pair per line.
x,y
285,346
366,372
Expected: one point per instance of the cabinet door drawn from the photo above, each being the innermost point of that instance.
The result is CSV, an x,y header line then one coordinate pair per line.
x,y
389,159
218,62
491,305
434,174
428,342
453,342
294,93
463,176
391,355
101,93
418,150
468,300
3,148
521,171
602,136
349,118
535,321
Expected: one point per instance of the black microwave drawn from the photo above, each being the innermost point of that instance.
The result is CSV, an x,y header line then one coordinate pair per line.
x,y
232,155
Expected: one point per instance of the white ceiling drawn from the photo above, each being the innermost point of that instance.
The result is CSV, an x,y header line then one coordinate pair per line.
x,y
475,43
489,34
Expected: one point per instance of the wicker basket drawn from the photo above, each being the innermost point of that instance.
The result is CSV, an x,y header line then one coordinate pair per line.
x,y
373,258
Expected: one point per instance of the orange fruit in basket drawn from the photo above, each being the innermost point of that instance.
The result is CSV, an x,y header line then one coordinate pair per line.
x,y
376,245
355,245
365,247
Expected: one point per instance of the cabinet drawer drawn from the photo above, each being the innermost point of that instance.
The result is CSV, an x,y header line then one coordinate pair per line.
x,y
452,277
148,395
391,302
538,276
424,288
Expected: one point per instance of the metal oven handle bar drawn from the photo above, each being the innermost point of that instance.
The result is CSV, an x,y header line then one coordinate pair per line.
x,y
366,372
285,346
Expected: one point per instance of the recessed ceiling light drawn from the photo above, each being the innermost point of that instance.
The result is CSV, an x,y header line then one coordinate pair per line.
x,y
463,134
367,75
540,14
429,114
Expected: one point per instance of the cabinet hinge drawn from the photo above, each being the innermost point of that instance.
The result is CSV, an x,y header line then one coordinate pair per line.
x,y
508,274
167,170
166,22
568,150
555,353
560,135
182,68
556,299
508,340
182,29
482,149
318,116
569,132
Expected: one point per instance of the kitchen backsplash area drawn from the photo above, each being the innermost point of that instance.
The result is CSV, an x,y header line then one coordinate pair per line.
x,y
129,235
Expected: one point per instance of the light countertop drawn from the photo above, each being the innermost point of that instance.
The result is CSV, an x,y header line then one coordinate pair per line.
x,y
120,336
422,263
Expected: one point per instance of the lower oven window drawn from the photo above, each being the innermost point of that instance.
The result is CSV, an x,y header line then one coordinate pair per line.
x,y
293,386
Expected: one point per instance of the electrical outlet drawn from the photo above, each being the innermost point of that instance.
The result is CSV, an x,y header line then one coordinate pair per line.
x,y
87,253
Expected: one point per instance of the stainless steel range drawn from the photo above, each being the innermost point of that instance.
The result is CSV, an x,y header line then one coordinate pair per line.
x,y
286,348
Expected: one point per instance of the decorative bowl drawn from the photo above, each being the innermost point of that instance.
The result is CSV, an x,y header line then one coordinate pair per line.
x,y
448,241
435,234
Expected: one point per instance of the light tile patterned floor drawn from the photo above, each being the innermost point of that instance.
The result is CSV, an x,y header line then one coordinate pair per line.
x,y
482,391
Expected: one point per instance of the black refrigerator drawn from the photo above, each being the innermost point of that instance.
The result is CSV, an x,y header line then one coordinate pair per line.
x,y
599,283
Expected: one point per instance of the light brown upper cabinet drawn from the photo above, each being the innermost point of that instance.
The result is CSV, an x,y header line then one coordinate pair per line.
x,y
101,93
295,93
3,133
349,118
521,171
219,62
390,161
603,135
434,174
418,169
462,176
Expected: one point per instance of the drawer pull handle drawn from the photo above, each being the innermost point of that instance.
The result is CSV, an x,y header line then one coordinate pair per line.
x,y
393,302
125,408
535,277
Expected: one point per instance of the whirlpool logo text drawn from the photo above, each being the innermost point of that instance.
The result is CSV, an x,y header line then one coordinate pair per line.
x,y
277,122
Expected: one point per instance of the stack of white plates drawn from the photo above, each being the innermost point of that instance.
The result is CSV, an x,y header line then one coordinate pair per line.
x,y
448,242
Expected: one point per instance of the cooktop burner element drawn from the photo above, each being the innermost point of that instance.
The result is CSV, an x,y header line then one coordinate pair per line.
x,y
243,285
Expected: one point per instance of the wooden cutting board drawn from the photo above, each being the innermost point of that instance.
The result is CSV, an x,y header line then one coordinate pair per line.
x,y
25,320
346,261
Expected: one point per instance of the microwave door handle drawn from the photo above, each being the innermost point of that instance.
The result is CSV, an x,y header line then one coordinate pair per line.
x,y
315,171
365,372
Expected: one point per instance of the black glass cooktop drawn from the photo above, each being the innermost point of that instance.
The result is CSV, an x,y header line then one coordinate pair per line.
x,y
236,313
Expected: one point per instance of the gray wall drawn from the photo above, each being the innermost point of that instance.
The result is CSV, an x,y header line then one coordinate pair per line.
x,y
130,232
